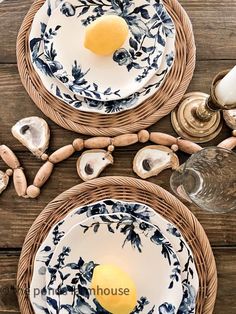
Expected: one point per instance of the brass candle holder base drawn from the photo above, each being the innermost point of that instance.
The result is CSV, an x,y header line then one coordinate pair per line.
x,y
186,123
198,117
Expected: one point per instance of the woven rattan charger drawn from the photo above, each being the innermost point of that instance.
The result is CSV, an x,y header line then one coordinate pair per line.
x,y
127,189
141,117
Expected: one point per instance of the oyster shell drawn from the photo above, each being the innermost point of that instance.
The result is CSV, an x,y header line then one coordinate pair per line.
x,y
4,179
151,160
92,162
33,133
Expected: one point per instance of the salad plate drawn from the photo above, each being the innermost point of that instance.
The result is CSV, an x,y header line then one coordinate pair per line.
x,y
117,239
104,78
59,90
189,276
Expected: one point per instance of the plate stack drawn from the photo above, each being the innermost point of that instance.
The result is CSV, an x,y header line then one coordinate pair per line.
x,y
137,237
105,84
70,73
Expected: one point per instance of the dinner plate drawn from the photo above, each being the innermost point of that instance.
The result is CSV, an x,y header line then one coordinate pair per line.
x,y
59,90
189,276
111,77
119,239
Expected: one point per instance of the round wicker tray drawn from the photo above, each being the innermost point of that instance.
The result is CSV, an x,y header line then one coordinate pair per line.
x,y
127,189
141,117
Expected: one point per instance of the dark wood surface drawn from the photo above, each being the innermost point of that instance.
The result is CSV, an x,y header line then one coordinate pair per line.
x,y
214,24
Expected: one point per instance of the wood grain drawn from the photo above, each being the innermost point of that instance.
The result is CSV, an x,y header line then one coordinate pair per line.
x,y
12,13
225,257
213,21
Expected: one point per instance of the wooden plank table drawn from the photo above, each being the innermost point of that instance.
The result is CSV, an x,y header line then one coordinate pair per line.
x,y
214,24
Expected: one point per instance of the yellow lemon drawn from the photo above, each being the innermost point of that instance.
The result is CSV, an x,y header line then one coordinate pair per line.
x,y
114,289
105,35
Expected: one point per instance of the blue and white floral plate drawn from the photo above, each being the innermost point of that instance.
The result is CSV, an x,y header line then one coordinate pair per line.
x,y
104,78
189,276
58,89
123,240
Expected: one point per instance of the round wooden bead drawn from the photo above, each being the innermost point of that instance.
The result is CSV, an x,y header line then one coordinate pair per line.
x,y
111,148
175,147
44,157
9,172
234,132
33,191
143,136
78,144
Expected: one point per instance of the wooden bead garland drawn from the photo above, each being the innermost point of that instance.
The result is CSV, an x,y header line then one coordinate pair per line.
x,y
63,153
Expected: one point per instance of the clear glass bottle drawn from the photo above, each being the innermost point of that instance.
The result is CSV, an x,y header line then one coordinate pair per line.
x,y
208,179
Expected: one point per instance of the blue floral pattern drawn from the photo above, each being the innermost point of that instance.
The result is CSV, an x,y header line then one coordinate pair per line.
x,y
50,68
81,294
188,303
166,308
187,271
79,85
68,276
142,54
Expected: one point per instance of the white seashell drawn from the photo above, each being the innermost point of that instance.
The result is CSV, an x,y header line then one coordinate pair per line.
x,y
34,133
4,179
92,162
151,160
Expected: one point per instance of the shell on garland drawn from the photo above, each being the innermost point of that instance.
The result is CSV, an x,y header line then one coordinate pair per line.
x,y
33,133
92,162
151,160
4,180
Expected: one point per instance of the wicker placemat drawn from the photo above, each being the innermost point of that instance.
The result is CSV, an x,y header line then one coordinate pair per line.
x,y
141,117
126,189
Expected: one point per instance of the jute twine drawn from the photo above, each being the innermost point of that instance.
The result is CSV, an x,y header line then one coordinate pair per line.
x,y
127,189
141,117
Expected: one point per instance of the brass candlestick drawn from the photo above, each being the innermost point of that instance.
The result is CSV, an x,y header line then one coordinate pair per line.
x,y
198,117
